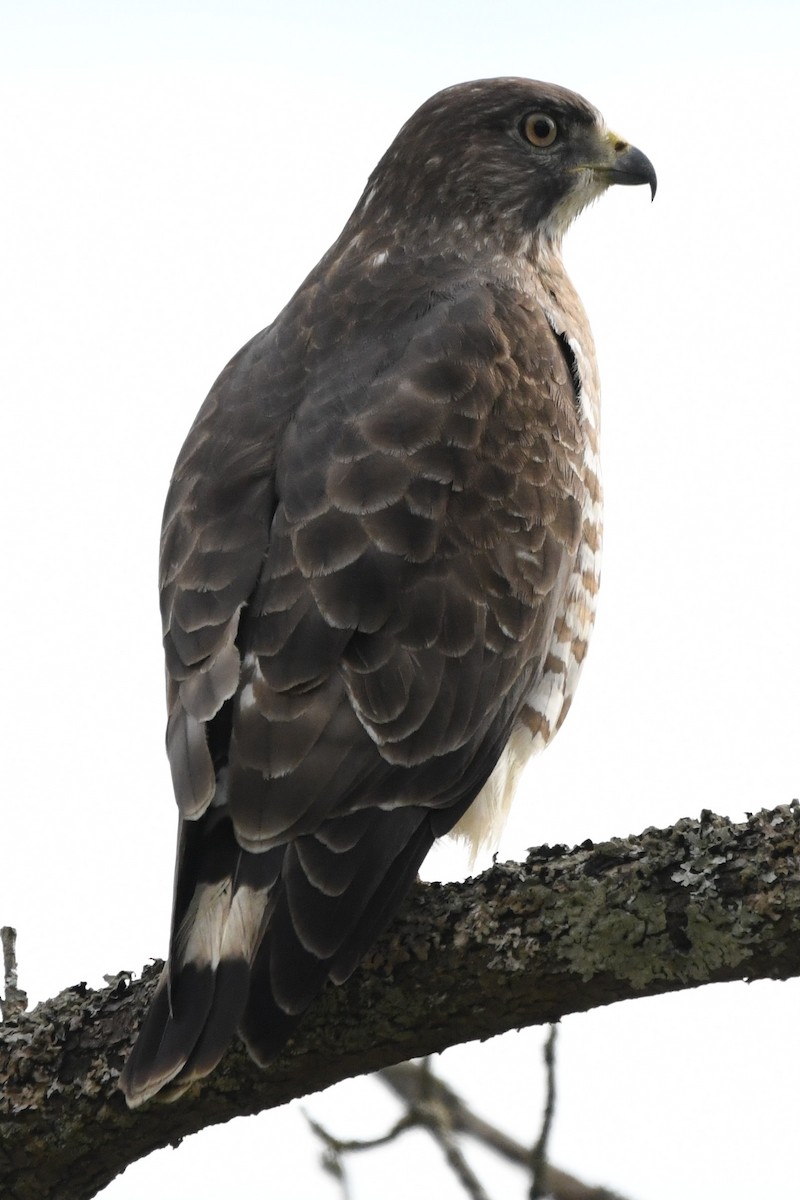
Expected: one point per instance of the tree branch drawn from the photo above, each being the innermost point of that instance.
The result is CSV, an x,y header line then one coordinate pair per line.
x,y
415,1085
540,1186
525,943
14,1001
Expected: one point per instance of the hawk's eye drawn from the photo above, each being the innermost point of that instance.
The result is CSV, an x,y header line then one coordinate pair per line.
x,y
539,129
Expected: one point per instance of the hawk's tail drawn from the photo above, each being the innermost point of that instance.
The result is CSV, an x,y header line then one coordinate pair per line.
x,y
256,936
221,907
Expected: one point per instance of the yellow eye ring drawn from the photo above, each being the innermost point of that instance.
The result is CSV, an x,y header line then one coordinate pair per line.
x,y
539,129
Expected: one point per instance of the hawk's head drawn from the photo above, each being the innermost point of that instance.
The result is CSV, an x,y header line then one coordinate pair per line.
x,y
500,157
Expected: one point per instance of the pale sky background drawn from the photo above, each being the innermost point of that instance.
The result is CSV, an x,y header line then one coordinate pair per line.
x,y
171,173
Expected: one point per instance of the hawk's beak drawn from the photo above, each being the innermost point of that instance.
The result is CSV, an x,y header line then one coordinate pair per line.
x,y
627,165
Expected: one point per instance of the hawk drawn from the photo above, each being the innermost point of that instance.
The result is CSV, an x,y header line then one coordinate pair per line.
x,y
379,565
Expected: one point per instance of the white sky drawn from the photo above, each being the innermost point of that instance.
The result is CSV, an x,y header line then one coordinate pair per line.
x,y
172,171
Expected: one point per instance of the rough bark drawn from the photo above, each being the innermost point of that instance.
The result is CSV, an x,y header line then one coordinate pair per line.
x,y
525,943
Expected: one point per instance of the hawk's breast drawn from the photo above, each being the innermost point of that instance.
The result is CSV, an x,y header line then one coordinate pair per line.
x,y
550,697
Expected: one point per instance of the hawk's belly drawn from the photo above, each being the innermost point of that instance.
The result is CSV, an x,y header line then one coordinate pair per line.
x,y
548,701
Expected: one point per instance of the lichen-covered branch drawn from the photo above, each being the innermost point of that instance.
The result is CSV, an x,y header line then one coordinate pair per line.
x,y
523,944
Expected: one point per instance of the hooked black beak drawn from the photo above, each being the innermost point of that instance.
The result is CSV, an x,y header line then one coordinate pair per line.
x,y
629,166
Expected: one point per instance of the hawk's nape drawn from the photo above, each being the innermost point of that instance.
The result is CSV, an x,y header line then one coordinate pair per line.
x,y
379,565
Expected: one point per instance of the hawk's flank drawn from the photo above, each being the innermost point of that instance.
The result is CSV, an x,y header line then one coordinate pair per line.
x,y
379,564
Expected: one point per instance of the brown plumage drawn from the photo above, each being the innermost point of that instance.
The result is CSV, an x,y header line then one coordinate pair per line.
x,y
379,561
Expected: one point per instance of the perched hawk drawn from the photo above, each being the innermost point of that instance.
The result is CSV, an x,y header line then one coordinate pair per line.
x,y
379,564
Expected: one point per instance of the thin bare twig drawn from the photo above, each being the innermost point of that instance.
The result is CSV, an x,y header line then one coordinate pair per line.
x,y
333,1154
343,1146
424,1113
14,1001
436,1117
458,1163
539,1181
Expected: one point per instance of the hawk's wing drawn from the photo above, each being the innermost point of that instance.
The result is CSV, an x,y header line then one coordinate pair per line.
x,y
362,565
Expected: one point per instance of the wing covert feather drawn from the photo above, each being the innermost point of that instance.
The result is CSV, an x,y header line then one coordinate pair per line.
x,y
418,561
